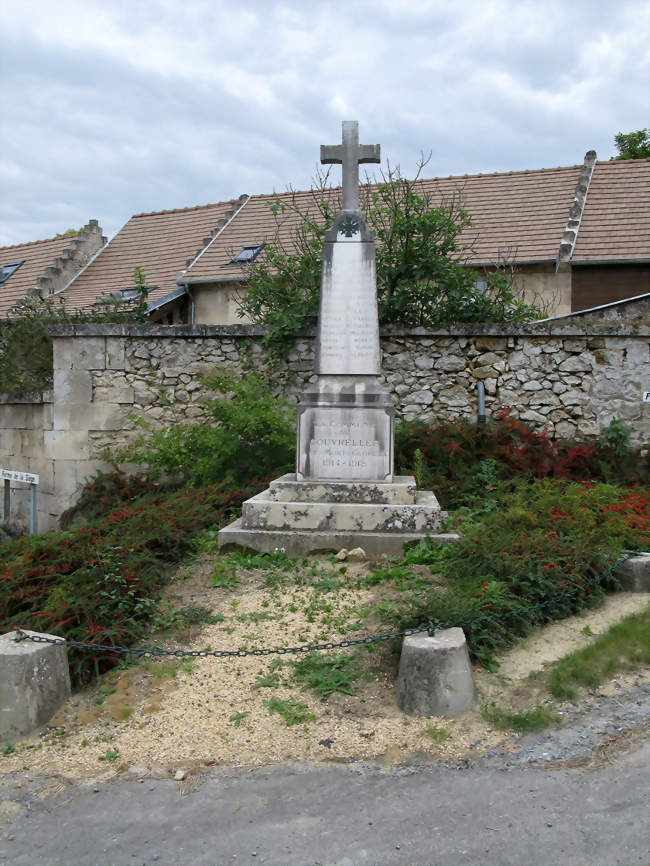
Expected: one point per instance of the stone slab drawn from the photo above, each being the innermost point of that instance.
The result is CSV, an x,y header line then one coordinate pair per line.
x,y
262,512
34,682
634,573
347,443
348,325
303,542
401,491
435,676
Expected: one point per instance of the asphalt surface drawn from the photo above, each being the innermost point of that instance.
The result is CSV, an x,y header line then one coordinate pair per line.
x,y
574,795
342,816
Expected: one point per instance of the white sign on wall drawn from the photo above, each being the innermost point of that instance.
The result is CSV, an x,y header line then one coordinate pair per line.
x,y
11,475
646,396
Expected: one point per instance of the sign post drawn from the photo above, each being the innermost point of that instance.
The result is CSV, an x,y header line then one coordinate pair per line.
x,y
10,475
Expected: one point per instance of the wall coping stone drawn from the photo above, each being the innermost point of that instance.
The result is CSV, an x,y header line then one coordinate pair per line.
x,y
473,329
28,397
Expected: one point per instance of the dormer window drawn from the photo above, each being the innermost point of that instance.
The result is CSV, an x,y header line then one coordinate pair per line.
x,y
246,254
8,270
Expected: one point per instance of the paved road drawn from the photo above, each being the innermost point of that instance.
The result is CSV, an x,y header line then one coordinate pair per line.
x,y
343,816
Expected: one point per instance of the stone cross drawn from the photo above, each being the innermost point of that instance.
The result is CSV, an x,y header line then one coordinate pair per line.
x,y
350,154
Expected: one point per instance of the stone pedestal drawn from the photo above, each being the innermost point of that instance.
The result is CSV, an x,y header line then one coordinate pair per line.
x,y
34,682
303,517
435,676
634,573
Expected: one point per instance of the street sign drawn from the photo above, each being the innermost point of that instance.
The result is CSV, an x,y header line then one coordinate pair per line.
x,y
12,475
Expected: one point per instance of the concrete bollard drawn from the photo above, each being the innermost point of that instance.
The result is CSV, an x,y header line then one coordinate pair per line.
x,y
634,573
34,682
435,676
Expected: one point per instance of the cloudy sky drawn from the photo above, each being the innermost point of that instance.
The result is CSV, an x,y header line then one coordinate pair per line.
x,y
114,107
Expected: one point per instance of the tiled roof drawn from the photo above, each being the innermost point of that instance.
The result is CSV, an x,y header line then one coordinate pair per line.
x,y
616,219
161,243
36,257
518,216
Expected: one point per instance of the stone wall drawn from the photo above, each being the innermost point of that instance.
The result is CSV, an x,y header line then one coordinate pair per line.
x,y
570,375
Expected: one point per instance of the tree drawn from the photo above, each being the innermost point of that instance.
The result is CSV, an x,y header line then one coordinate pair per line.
x,y
423,277
633,145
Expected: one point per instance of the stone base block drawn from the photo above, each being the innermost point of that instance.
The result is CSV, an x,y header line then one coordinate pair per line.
x,y
34,682
435,676
634,573
303,542
401,491
262,512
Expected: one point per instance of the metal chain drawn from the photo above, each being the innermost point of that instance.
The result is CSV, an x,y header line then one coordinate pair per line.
x,y
430,629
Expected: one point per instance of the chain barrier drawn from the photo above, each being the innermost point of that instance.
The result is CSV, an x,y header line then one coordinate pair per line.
x,y
431,628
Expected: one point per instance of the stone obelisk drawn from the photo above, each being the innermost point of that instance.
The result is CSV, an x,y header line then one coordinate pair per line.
x,y
345,420
343,493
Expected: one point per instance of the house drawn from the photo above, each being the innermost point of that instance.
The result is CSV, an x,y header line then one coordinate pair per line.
x,y
576,236
164,245
41,268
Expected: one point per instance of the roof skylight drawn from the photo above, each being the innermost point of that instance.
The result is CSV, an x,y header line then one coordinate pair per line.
x,y
246,254
8,270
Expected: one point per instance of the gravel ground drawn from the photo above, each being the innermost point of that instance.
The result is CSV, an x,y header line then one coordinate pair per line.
x,y
181,722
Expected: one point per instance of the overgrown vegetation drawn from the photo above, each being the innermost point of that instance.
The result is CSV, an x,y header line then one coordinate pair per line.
x,y
464,464
248,432
25,343
542,551
423,277
100,583
542,524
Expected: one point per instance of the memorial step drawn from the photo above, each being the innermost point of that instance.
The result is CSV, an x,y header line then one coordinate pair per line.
x,y
304,542
262,512
401,491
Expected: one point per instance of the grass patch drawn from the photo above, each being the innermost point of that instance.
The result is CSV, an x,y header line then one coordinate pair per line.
x,y
292,711
625,646
438,735
110,755
327,674
534,719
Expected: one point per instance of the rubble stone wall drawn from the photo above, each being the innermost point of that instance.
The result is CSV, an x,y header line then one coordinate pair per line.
x,y
571,376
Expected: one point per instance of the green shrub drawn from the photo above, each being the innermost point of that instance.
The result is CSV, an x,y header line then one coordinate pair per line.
x,y
466,464
99,583
248,433
547,555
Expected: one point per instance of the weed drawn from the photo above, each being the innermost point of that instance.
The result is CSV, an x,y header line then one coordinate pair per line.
x,y
84,743
224,577
104,692
188,665
184,617
238,718
292,711
126,713
110,755
438,735
327,674
161,670
8,749
263,561
587,632
271,680
534,719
